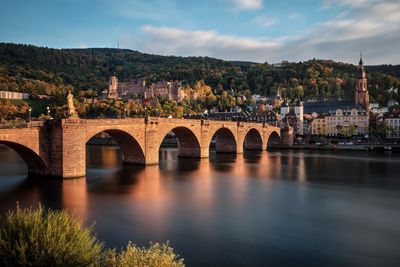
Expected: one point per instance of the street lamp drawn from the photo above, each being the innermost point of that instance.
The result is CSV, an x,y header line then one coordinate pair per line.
x,y
30,116
125,113
48,111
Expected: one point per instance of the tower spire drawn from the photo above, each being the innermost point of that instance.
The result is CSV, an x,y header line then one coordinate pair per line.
x,y
361,60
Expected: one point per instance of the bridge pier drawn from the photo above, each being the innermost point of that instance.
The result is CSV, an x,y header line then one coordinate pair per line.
x,y
67,150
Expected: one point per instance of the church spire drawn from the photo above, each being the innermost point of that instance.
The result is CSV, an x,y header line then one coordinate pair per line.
x,y
361,94
361,63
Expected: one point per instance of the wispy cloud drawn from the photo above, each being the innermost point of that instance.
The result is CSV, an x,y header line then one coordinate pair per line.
x,y
247,4
355,3
167,41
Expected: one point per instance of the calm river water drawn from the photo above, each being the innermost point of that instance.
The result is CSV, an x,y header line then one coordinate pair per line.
x,y
281,208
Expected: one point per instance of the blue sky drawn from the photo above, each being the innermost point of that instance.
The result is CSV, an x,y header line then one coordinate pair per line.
x,y
253,30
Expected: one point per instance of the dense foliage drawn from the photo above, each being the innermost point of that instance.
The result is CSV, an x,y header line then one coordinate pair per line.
x,y
46,238
220,84
39,237
157,255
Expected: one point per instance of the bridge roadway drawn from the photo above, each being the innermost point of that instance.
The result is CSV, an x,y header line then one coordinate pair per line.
x,y
58,148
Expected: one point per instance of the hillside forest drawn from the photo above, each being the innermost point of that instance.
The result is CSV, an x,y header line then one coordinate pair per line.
x,y
220,84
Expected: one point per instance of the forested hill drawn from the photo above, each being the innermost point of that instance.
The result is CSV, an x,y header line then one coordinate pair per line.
x,y
54,71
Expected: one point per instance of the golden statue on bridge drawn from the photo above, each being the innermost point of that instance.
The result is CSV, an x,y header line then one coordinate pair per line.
x,y
71,112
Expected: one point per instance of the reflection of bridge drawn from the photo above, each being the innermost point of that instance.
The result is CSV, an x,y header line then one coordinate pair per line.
x,y
59,148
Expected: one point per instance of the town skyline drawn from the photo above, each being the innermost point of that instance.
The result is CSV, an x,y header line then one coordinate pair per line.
x,y
244,30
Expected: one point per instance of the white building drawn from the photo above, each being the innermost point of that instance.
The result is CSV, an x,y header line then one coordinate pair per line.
x,y
299,111
392,120
343,122
284,109
13,95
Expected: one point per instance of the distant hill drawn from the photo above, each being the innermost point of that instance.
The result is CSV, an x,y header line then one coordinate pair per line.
x,y
40,70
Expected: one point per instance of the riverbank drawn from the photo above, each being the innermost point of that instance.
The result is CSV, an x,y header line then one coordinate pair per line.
x,y
342,147
172,142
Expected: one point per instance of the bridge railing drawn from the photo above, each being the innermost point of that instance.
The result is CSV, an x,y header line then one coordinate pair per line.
x,y
127,121
151,120
20,124
101,121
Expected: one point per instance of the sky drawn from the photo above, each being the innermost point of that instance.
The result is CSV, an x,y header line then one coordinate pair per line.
x,y
246,30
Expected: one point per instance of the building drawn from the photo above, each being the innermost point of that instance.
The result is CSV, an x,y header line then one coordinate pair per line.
x,y
318,125
361,94
299,112
168,90
13,95
228,116
284,109
295,116
112,92
347,122
268,117
307,124
392,121
132,88
139,88
326,106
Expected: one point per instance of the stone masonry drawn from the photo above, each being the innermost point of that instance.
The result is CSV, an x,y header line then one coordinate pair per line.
x,y
59,148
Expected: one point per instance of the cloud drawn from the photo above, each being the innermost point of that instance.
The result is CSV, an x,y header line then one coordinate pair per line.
x,y
355,3
172,41
247,4
370,27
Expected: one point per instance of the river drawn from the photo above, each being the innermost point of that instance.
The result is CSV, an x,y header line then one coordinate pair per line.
x,y
277,208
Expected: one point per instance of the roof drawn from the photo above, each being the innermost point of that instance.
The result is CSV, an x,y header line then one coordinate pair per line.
x,y
298,103
327,106
347,112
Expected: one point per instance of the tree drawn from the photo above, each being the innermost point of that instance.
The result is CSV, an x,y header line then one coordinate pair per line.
x,y
351,130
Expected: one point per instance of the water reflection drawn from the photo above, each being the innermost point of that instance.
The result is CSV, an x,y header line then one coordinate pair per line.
x,y
280,207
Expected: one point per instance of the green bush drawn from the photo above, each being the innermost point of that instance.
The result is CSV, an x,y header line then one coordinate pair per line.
x,y
38,237
157,255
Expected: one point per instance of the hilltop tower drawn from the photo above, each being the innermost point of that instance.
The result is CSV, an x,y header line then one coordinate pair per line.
x,y
362,95
112,88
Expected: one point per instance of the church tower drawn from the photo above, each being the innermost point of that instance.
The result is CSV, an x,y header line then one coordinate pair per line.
x,y
362,96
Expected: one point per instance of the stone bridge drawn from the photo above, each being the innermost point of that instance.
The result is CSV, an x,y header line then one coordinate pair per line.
x,y
58,148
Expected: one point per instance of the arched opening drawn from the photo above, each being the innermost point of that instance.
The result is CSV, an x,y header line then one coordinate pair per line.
x,y
35,163
184,140
274,140
223,141
253,140
102,149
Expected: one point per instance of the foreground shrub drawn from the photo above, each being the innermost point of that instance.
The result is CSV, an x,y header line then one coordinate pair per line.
x,y
46,238
157,255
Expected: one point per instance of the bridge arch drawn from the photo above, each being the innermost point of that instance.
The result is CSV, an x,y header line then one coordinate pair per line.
x,y
253,140
35,163
225,140
132,152
188,142
273,139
